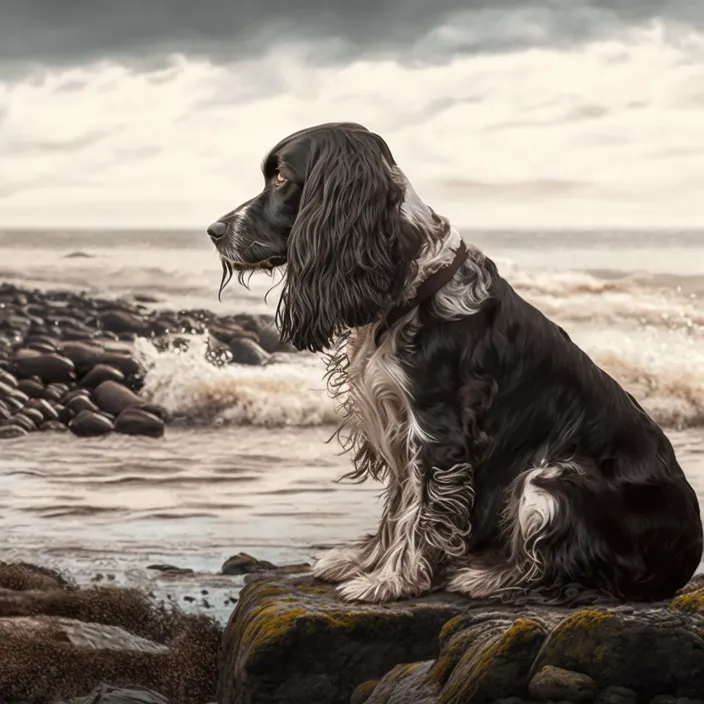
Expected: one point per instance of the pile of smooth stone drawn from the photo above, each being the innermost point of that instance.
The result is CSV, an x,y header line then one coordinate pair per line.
x,y
66,360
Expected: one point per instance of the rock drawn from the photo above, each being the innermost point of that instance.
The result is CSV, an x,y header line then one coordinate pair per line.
x,y
245,351
84,355
617,695
170,569
651,652
48,367
23,421
242,563
120,321
291,640
47,411
105,694
9,432
137,421
59,642
88,424
555,684
100,373
81,402
22,576
31,387
114,398
7,379
294,642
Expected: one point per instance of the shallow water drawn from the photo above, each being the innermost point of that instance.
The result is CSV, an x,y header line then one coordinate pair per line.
x,y
253,472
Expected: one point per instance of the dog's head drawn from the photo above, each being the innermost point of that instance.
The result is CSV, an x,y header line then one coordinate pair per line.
x,y
331,211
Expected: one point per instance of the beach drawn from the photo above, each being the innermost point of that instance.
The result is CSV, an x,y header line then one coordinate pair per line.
x,y
244,464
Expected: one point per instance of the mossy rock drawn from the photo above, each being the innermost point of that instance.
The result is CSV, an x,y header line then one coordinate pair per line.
x,y
60,641
404,684
690,602
496,663
310,646
363,691
652,651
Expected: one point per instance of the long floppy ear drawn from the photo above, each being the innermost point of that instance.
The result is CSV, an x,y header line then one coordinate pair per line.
x,y
345,259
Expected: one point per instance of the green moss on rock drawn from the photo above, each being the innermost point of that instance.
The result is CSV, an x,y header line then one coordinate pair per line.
x,y
294,633
691,602
649,652
498,663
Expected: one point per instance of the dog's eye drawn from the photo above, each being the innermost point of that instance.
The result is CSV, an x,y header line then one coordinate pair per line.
x,y
279,180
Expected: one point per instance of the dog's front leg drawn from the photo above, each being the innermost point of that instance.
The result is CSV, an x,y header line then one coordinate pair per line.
x,y
428,521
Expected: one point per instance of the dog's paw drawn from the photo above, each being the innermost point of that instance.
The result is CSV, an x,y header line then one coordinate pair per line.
x,y
379,588
338,565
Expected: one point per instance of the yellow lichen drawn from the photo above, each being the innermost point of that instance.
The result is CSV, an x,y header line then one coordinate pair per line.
x,y
363,692
693,602
313,590
449,657
269,625
449,629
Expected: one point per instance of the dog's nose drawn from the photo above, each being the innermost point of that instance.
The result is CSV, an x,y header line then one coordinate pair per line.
x,y
217,230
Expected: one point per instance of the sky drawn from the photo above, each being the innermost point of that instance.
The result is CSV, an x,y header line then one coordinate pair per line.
x,y
502,113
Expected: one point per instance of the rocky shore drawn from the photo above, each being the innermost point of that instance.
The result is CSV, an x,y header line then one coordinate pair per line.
x,y
66,360
290,640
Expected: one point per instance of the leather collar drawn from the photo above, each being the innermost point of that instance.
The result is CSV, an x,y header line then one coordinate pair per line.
x,y
429,287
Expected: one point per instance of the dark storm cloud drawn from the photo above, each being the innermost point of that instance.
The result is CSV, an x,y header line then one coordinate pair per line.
x,y
66,32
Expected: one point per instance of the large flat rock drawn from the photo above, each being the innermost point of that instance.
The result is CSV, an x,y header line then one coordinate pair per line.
x,y
292,641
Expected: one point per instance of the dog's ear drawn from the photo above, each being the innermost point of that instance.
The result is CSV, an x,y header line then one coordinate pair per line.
x,y
344,252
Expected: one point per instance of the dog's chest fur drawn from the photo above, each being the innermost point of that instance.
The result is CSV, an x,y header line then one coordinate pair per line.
x,y
381,398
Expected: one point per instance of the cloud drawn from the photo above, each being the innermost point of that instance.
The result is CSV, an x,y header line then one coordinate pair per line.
x,y
598,132
24,145
142,34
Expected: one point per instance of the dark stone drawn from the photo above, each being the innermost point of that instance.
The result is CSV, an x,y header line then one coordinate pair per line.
x,y
137,421
245,351
310,647
242,563
84,355
48,367
53,426
81,402
44,407
120,321
617,695
100,373
23,421
34,414
651,653
88,424
555,684
105,694
170,569
54,392
114,398
31,387
8,432
8,379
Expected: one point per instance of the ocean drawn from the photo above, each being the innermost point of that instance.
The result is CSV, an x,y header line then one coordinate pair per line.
x,y
248,467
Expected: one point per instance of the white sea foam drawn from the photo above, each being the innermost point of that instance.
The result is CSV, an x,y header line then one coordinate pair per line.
x,y
290,392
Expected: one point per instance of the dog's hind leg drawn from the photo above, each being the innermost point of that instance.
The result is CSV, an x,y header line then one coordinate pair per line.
x,y
531,516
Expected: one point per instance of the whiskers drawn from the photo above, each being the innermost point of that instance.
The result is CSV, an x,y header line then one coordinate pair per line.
x,y
244,276
228,271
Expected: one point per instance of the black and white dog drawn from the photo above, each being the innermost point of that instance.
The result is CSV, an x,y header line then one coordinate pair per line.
x,y
513,464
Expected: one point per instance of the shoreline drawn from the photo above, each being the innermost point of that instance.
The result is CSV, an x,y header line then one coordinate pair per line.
x,y
289,639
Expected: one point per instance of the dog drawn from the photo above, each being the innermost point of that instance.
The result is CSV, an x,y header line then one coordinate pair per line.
x,y
513,465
